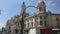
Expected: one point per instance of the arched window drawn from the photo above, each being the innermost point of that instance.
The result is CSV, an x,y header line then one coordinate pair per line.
x,y
40,8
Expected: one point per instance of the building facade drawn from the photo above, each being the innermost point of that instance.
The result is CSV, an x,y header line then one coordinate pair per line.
x,y
33,23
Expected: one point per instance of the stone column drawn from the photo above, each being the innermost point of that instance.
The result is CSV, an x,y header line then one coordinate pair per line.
x,y
38,21
33,22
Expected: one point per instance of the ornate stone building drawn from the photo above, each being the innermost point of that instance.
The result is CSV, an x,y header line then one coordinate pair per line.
x,y
31,24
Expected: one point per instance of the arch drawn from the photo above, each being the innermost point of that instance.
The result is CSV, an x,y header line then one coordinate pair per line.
x,y
31,6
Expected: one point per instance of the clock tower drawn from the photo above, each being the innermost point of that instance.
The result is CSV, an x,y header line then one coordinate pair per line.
x,y
41,7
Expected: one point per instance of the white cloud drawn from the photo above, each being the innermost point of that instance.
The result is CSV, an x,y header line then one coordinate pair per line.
x,y
50,3
2,17
3,14
48,9
2,24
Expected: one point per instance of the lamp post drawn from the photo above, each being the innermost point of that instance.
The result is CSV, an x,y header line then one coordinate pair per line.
x,y
23,16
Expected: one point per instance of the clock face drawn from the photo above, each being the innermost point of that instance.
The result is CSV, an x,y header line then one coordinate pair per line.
x,y
40,8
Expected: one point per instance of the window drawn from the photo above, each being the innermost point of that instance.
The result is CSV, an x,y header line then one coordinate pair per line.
x,y
32,24
16,31
41,23
40,8
57,19
57,25
44,22
44,17
40,17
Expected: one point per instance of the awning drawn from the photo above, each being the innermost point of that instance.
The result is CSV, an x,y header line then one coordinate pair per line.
x,y
55,29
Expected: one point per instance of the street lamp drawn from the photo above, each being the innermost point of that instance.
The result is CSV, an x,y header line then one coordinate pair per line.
x,y
23,16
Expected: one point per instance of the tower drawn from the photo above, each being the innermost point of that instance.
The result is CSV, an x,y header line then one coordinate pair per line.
x,y
41,7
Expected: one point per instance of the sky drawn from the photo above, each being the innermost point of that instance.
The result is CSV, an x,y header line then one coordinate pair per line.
x,y
10,8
